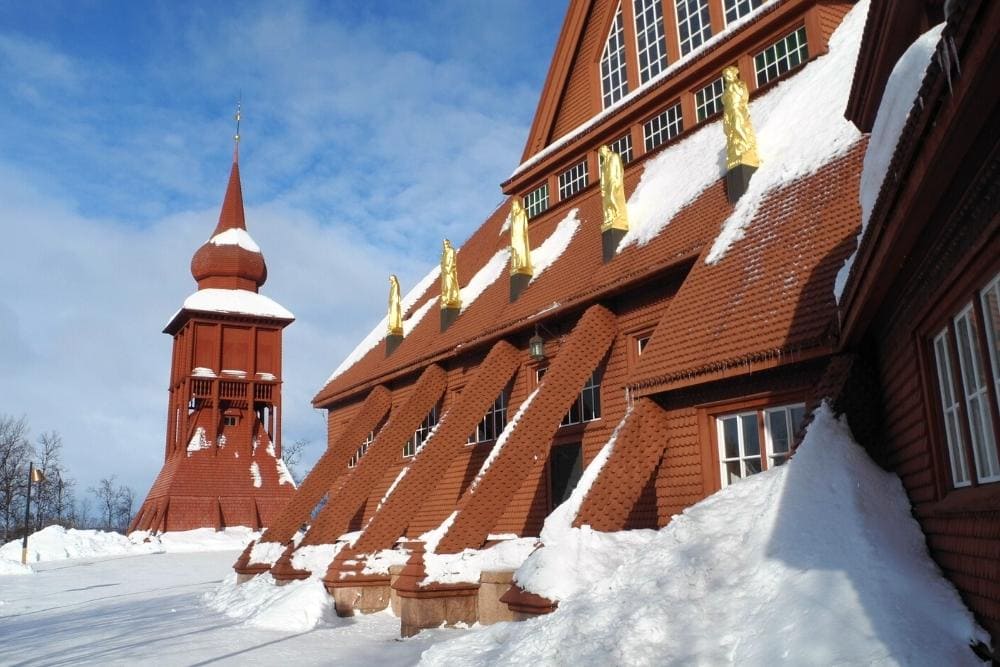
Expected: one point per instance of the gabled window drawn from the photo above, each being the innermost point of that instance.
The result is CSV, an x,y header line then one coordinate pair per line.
x,y
737,9
493,422
693,24
663,127
623,146
640,345
614,81
419,437
784,55
753,441
651,46
537,201
573,180
708,100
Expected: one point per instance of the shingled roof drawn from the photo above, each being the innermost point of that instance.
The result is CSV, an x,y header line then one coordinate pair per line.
x,y
769,294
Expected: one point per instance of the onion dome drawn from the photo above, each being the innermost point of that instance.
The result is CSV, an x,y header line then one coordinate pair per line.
x,y
230,259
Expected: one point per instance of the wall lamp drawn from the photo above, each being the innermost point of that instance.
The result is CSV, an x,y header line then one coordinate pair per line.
x,y
536,344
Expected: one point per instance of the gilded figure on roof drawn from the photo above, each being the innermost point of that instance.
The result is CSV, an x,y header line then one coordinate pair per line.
x,y
451,296
520,246
741,142
395,316
613,190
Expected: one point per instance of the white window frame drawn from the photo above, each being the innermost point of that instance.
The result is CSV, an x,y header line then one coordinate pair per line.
x,y
794,51
663,127
650,39
696,35
766,458
641,343
536,202
419,437
623,146
495,419
614,74
992,325
573,180
708,100
734,10
591,387
360,451
950,408
976,396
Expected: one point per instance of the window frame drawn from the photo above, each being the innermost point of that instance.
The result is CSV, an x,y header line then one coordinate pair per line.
x,y
479,435
571,184
611,93
802,49
624,141
536,205
704,32
766,456
415,442
700,107
591,386
733,6
640,8
665,133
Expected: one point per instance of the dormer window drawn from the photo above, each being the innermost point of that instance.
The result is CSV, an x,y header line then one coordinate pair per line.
x,y
651,44
623,146
614,82
537,201
663,127
693,24
573,180
737,9
708,100
786,54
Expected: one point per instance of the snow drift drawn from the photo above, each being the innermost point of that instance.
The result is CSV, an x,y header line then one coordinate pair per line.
x,y
816,562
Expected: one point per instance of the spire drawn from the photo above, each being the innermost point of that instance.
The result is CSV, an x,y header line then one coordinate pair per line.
x,y
230,260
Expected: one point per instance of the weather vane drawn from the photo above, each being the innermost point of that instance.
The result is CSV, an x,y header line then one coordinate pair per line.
x,y
236,137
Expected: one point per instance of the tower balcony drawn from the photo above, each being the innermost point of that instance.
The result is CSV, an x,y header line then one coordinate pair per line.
x,y
233,385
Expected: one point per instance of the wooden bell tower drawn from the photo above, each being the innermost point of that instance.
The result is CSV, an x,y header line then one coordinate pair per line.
x,y
223,464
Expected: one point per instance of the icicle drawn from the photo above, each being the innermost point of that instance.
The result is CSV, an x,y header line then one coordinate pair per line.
x,y
954,55
944,60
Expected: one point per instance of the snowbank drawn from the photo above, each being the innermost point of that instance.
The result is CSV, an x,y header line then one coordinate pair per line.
x,y
898,100
298,606
815,562
12,567
58,543
467,565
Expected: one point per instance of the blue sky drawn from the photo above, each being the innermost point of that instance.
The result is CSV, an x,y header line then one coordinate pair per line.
x,y
370,131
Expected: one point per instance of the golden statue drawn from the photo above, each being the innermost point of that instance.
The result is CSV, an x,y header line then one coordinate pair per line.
x,y
741,142
451,296
613,190
395,317
520,247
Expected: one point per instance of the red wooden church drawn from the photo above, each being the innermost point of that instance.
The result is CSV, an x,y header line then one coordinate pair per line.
x,y
705,332
223,464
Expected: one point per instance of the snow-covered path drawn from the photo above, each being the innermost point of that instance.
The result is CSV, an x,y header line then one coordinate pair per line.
x,y
148,609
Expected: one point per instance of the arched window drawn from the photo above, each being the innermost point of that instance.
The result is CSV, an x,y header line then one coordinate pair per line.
x,y
614,82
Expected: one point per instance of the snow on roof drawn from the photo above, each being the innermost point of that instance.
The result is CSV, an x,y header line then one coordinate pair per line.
x,y
822,554
800,126
485,277
235,236
898,101
379,332
664,74
553,247
235,301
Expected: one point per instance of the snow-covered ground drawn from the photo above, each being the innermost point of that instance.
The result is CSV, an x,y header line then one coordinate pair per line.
x,y
152,609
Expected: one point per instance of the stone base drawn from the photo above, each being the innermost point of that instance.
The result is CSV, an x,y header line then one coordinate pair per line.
x,y
610,238
434,608
244,578
492,586
448,316
518,282
394,603
737,181
392,341
349,600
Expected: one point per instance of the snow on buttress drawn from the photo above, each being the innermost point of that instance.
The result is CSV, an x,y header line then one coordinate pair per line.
x,y
485,277
255,474
238,237
198,441
898,100
553,247
240,301
816,562
378,333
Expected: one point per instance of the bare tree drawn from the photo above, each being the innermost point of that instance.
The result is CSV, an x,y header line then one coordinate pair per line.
x,y
49,495
15,454
291,454
107,500
126,503
81,513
